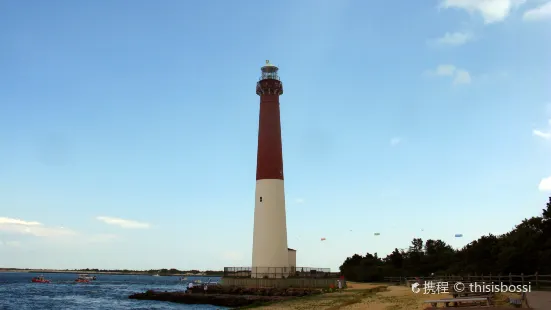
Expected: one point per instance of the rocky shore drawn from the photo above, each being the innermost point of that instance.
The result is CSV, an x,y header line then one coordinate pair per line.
x,y
227,296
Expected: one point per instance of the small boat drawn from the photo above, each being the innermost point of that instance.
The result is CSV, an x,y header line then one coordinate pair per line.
x,y
82,281
40,279
86,277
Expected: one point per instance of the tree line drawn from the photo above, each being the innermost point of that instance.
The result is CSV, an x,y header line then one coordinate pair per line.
x,y
162,272
525,249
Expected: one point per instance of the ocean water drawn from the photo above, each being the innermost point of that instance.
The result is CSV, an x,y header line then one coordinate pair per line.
x,y
17,292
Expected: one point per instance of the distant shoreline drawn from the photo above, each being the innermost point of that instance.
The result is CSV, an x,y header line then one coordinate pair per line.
x,y
135,273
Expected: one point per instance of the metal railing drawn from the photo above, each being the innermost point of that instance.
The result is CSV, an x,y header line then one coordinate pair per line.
x,y
279,272
269,77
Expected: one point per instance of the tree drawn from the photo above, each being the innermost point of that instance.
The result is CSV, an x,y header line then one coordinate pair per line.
x,y
525,249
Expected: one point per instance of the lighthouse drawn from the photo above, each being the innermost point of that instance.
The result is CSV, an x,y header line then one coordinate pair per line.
x,y
270,252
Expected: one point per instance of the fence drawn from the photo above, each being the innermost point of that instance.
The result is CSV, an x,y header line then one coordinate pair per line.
x,y
281,283
537,281
278,272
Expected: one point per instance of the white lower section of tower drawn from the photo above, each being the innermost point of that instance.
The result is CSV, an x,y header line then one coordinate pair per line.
x,y
270,257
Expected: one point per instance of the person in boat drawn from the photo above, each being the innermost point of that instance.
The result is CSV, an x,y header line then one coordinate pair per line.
x,y
190,287
206,288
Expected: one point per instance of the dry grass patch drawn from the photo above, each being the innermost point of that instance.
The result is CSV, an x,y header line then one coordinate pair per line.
x,y
395,298
355,293
367,296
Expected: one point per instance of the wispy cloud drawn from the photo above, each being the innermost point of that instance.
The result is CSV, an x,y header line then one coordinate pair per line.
x,y
122,222
395,141
37,229
299,200
492,11
545,184
10,221
454,39
32,228
539,13
546,133
541,134
460,76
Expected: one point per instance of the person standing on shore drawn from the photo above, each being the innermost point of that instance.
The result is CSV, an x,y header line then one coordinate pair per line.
x,y
339,283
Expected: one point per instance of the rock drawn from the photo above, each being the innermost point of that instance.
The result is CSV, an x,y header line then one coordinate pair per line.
x,y
235,290
227,296
225,300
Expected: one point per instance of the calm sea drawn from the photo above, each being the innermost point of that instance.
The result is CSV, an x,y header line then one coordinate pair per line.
x,y
107,292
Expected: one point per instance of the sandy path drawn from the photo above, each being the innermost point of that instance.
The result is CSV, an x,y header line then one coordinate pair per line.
x,y
540,300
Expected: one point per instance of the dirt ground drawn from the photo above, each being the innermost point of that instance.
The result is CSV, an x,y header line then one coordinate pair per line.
x,y
368,296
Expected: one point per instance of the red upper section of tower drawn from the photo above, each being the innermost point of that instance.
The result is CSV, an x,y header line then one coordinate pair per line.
x,y
269,163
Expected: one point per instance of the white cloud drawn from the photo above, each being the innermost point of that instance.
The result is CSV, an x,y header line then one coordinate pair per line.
x,y
492,11
37,229
395,141
541,134
539,13
299,200
7,220
545,184
460,76
32,228
456,38
545,134
122,222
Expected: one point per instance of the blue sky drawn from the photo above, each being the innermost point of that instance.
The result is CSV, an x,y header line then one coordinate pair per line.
x,y
407,118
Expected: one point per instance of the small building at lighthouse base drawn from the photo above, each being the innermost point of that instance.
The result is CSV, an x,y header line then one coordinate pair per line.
x,y
292,254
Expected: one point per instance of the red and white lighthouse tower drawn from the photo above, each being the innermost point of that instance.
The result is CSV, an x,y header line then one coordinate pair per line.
x,y
270,223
